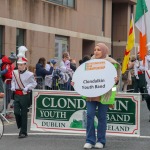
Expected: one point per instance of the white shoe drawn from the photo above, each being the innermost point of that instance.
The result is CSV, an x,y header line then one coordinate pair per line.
x,y
99,145
87,146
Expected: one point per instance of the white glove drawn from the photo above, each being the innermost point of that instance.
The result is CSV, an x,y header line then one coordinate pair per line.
x,y
13,89
137,77
141,68
137,65
148,91
25,89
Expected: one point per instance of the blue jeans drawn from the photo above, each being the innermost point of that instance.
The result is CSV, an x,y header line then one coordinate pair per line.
x,y
102,121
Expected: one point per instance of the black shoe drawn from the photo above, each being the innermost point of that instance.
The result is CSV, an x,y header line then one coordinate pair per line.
x,y
22,135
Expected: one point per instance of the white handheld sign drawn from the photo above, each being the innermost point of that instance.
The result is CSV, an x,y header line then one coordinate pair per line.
x,y
94,78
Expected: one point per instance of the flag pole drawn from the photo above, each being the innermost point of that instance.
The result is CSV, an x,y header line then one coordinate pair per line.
x,y
134,34
145,27
133,27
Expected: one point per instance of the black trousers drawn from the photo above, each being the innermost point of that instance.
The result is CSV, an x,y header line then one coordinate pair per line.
x,y
21,105
148,102
1,86
147,99
140,84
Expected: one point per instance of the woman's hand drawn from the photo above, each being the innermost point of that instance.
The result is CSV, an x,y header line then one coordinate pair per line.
x,y
51,65
72,83
1,95
55,66
116,80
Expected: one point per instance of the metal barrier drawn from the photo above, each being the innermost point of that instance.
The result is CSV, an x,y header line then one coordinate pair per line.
x,y
40,82
7,98
8,95
57,84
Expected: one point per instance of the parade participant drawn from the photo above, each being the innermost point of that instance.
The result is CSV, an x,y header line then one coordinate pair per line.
x,y
22,83
139,72
126,79
131,70
147,76
100,52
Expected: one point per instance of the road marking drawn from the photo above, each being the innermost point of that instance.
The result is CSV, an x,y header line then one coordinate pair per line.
x,y
12,134
11,122
69,134
147,137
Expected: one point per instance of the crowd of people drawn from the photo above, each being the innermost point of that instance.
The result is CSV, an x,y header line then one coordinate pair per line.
x,y
56,75
136,79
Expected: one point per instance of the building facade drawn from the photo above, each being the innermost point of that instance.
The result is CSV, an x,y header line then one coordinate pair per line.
x,y
49,27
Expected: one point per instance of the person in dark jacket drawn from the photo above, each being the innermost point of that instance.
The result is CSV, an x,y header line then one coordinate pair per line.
x,y
42,72
40,68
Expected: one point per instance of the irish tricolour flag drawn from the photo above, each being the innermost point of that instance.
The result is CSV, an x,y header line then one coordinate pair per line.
x,y
140,23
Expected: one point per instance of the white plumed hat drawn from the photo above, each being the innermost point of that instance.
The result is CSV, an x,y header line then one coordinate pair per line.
x,y
21,55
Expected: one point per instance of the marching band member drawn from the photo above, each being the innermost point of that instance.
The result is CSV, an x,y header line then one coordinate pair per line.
x,y
139,72
147,76
22,83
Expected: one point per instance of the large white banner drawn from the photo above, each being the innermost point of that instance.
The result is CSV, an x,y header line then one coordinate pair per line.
x,y
65,111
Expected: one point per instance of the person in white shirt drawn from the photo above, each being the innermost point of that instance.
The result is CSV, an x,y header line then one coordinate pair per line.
x,y
22,83
139,72
65,68
147,76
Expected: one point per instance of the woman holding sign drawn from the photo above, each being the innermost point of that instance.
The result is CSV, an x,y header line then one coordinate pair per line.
x,y
96,83
100,52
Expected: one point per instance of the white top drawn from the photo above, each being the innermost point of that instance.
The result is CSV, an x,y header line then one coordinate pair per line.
x,y
147,62
138,66
27,79
47,67
64,68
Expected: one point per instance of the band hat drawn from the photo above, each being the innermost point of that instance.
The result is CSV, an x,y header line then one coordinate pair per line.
x,y
21,51
21,55
22,60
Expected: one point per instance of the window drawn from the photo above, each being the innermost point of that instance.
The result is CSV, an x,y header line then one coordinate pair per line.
x,y
67,3
20,41
61,45
1,41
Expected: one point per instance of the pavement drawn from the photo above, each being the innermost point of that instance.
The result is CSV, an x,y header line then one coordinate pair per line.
x,y
62,141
